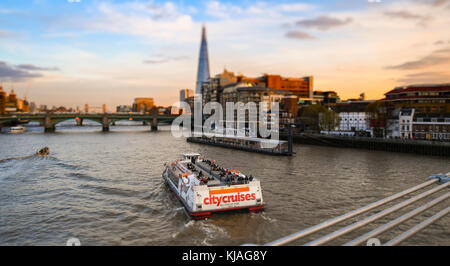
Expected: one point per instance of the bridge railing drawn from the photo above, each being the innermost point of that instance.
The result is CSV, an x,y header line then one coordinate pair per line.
x,y
442,181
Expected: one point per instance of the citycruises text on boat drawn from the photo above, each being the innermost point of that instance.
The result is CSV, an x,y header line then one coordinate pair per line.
x,y
203,187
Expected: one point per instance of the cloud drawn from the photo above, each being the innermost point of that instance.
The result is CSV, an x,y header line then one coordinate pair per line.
x,y
440,2
224,10
6,11
147,19
437,57
435,3
324,22
217,9
4,33
426,77
161,59
11,73
295,7
296,34
36,68
403,14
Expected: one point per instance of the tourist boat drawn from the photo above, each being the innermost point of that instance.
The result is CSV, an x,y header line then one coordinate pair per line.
x,y
18,129
203,187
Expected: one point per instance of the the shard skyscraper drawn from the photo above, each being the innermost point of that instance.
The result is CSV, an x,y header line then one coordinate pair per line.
x,y
203,64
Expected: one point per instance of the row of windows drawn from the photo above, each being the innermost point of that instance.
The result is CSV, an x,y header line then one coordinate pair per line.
x,y
431,136
356,119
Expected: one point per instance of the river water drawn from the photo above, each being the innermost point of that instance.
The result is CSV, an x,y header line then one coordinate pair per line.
x,y
106,189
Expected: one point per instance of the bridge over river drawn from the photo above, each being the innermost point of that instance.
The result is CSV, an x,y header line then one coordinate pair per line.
x,y
49,120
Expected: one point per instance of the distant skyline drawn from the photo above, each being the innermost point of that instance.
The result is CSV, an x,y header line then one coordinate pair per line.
x,y
72,52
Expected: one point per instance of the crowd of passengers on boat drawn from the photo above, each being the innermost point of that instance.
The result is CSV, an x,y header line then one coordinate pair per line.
x,y
229,177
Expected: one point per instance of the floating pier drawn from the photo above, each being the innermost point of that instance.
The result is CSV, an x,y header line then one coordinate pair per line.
x,y
243,144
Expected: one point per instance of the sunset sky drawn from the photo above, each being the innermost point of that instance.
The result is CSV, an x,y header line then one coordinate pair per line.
x,y
72,52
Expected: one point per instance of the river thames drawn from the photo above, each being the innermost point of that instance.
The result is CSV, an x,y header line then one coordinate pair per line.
x,y
106,189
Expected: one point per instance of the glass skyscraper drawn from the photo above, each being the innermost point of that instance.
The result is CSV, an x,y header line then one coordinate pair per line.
x,y
203,64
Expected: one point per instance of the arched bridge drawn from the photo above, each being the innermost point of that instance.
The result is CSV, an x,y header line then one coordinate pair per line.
x,y
49,120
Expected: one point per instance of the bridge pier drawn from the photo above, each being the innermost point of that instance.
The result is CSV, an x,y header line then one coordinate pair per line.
x,y
79,121
48,125
154,122
105,123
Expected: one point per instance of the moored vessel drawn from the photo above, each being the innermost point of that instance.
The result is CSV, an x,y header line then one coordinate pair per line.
x,y
18,129
203,187
245,143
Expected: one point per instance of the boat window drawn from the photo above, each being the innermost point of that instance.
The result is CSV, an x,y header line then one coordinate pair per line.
x,y
173,178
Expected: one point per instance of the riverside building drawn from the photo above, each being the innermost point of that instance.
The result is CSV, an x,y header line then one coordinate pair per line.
x,y
420,112
429,99
9,103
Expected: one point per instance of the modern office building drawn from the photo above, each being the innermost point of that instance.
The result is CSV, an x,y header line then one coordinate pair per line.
x,y
212,90
185,93
326,97
203,64
299,87
143,104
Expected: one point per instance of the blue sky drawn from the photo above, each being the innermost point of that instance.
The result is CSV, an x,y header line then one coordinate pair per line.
x,y
67,52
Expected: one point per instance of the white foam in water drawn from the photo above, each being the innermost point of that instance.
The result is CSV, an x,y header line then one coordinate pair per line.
x,y
265,217
212,232
190,223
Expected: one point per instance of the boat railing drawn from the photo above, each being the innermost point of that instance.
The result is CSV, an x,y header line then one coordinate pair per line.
x,y
440,181
223,182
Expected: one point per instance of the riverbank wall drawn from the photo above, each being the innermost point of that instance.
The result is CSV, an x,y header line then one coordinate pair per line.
x,y
435,148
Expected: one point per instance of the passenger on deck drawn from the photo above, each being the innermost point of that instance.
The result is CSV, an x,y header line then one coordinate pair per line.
x,y
250,178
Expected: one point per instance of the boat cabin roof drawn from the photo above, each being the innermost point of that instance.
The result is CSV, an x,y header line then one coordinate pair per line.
x,y
190,155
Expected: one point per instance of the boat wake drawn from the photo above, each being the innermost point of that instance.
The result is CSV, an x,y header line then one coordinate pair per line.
x,y
267,218
212,232
16,158
21,158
